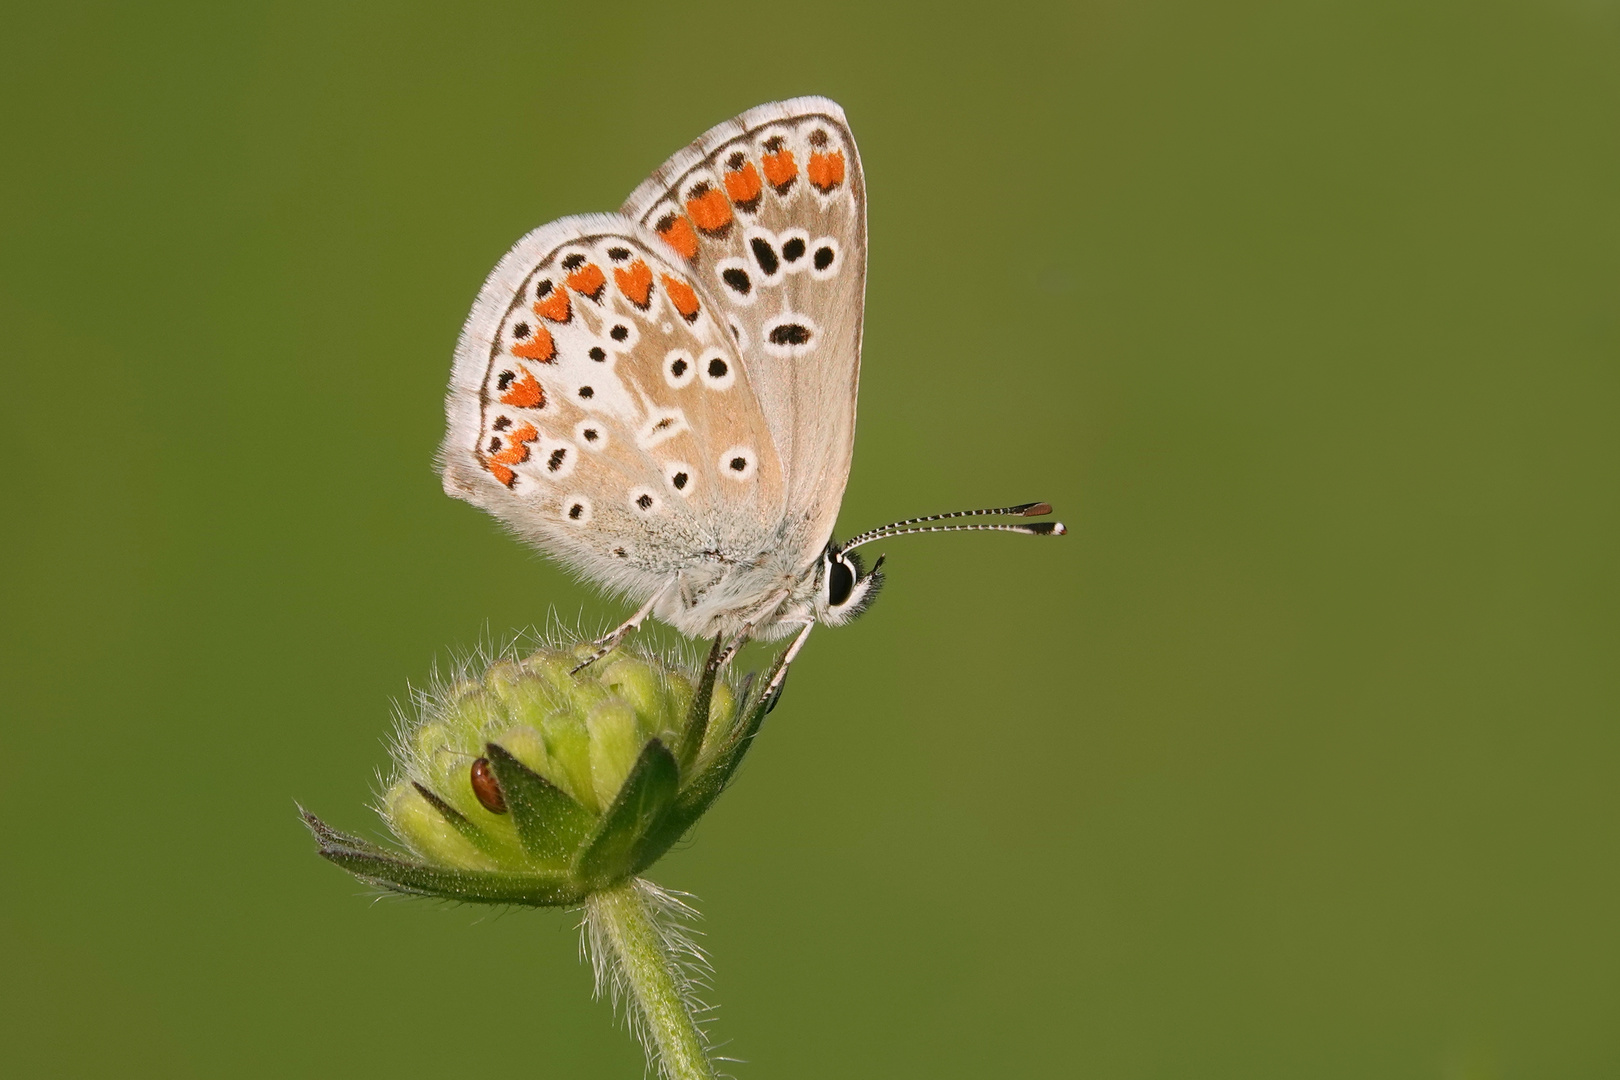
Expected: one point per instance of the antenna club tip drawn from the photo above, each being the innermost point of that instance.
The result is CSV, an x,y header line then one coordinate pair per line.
x,y
1058,529
1036,509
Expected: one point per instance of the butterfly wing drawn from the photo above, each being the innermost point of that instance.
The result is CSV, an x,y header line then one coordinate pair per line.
x,y
599,408
768,211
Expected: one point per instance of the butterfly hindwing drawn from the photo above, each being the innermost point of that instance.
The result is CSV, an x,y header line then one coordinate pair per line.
x,y
600,409
768,211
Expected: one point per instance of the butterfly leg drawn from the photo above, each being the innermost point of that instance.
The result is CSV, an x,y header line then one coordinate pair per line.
x,y
773,689
738,640
741,637
605,645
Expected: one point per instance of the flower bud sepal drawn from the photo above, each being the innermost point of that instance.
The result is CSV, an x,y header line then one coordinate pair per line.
x,y
532,784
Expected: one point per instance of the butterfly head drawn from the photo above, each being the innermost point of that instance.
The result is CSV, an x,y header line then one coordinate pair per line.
x,y
846,588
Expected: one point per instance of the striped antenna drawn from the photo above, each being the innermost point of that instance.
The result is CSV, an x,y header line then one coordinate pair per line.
x,y
905,528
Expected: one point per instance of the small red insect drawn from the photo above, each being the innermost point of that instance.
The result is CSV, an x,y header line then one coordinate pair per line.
x,y
485,787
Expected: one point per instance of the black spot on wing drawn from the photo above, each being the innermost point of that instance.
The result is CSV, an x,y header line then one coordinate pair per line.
x,y
765,255
790,334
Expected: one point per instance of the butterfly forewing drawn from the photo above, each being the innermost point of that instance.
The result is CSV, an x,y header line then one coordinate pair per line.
x,y
768,213
600,409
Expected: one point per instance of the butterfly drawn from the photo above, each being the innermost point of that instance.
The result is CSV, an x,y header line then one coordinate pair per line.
x,y
663,399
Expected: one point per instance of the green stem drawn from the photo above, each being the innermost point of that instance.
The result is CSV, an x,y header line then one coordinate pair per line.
x,y
637,946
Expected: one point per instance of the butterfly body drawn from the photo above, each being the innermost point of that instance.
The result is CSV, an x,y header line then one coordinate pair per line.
x,y
663,399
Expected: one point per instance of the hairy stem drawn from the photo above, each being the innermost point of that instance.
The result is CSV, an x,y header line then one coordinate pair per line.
x,y
645,958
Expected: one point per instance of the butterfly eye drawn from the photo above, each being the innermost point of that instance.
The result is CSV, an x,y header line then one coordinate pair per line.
x,y
840,582
849,589
485,788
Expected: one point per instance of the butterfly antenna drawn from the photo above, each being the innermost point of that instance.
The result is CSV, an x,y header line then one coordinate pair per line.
x,y
920,524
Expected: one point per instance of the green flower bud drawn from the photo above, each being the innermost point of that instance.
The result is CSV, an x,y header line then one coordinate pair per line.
x,y
526,783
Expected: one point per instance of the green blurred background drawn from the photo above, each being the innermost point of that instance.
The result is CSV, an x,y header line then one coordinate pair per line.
x,y
1296,759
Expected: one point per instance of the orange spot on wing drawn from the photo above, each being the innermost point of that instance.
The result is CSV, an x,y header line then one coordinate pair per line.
x,y
502,473
517,447
678,234
682,296
554,306
635,282
710,211
588,280
779,168
539,348
826,170
525,393
743,184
